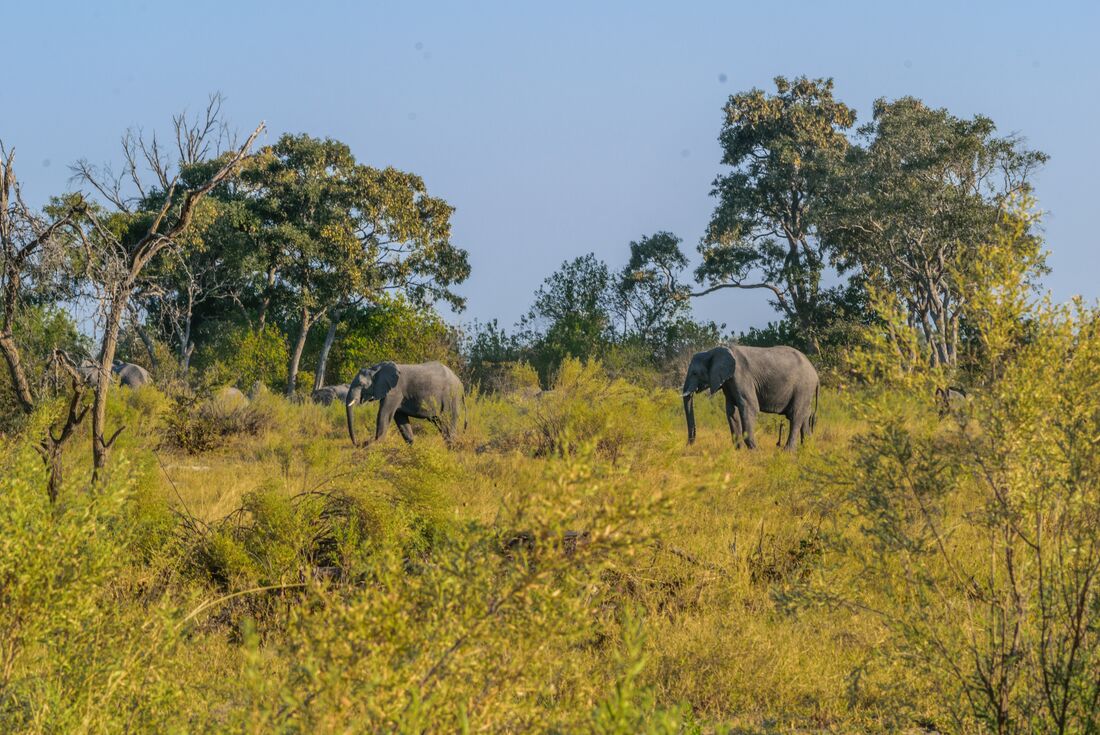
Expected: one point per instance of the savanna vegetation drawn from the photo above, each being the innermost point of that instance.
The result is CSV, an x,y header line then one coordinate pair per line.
x,y
184,558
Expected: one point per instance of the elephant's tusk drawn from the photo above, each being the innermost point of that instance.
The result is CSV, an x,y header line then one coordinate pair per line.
x,y
687,394
353,401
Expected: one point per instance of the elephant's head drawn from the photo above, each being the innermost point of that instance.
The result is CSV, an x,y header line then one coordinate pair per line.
x,y
370,384
710,369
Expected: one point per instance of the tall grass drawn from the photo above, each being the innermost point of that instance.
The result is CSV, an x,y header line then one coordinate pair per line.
x,y
571,565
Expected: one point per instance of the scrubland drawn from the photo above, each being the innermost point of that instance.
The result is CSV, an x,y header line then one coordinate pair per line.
x,y
570,565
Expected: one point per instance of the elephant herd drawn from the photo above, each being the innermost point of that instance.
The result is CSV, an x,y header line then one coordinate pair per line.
x,y
754,380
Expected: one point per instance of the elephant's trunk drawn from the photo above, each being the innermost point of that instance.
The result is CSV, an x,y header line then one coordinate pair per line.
x,y
352,399
689,412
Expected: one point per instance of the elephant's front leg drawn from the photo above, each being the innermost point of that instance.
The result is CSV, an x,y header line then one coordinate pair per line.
x,y
748,423
733,419
404,426
386,411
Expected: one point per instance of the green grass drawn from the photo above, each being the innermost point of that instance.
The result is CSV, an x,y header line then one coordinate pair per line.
x,y
404,602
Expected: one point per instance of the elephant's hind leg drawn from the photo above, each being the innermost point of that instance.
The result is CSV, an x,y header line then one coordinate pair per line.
x,y
443,427
404,426
798,427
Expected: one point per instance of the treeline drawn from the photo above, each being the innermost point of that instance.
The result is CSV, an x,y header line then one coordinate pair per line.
x,y
845,229
213,263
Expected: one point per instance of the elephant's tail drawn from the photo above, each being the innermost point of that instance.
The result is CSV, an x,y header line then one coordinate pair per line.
x,y
465,414
813,416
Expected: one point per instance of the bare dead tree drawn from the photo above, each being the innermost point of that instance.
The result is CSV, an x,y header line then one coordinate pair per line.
x,y
116,263
176,295
31,249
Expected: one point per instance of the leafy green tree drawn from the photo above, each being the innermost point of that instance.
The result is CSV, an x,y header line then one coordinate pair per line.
x,y
916,206
784,149
333,233
653,305
391,329
572,315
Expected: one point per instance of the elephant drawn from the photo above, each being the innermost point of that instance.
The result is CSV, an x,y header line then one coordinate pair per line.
x,y
770,379
129,374
329,393
428,391
231,394
950,398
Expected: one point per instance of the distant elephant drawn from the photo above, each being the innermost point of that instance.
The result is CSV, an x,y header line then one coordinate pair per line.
x,y
950,398
129,374
770,379
426,391
329,393
231,394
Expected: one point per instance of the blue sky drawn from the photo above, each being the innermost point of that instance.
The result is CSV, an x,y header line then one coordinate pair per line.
x,y
560,128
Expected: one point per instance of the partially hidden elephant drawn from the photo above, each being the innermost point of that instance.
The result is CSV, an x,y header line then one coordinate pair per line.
x,y
950,399
429,391
777,380
326,395
129,374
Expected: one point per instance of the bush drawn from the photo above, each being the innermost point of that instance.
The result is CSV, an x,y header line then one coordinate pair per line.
x,y
585,405
64,633
242,356
200,425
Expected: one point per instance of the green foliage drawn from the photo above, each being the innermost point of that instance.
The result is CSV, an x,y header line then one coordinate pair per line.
x,y
196,426
37,330
63,633
920,202
576,411
243,356
631,707
490,352
391,329
784,150
571,315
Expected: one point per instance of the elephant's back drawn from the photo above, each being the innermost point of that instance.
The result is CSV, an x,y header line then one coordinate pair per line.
x,y
787,359
438,372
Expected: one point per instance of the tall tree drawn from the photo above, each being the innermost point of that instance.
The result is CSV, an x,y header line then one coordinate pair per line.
x,y
334,233
783,149
653,305
126,237
33,256
918,203
572,315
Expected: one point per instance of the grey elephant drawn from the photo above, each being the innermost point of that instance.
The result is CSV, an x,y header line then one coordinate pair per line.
x,y
231,394
429,390
129,374
950,399
770,379
326,395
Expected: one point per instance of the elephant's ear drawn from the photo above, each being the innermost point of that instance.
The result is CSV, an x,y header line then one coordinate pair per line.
x,y
721,368
385,379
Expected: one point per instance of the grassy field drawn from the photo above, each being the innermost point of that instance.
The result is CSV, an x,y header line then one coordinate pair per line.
x,y
571,565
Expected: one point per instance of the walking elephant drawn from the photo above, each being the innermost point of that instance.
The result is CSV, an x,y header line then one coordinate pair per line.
x,y
770,379
129,374
427,391
326,395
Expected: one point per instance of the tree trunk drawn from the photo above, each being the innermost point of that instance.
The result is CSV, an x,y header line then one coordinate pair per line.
x,y
15,371
265,302
296,355
101,446
187,347
150,348
322,361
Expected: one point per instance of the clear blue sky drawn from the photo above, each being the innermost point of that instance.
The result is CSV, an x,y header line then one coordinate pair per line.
x,y
559,128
